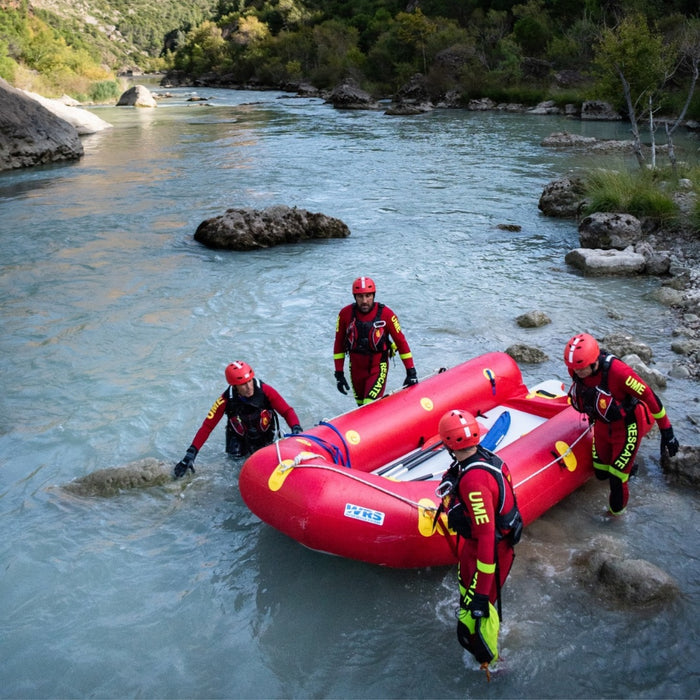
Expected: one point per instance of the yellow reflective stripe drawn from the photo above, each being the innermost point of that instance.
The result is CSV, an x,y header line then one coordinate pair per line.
x,y
339,356
622,476
660,414
485,568
405,355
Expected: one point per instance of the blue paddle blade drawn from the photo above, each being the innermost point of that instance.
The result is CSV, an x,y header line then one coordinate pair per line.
x,y
496,432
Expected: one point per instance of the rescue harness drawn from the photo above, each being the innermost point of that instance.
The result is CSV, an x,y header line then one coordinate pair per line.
x,y
367,337
254,417
596,401
509,524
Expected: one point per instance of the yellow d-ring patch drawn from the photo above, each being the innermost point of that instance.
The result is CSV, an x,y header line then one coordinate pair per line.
x,y
426,515
282,471
353,437
569,457
427,404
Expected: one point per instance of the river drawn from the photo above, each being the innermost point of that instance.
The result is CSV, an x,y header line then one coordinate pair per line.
x,y
117,326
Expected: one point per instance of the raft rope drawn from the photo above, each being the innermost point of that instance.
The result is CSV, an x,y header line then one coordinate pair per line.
x,y
557,460
300,461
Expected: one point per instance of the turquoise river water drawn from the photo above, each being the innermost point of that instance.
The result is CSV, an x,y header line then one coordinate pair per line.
x,y
117,326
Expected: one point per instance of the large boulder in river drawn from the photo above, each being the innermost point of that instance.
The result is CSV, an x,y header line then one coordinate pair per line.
x,y
84,121
563,198
137,96
30,134
609,230
349,95
252,229
595,261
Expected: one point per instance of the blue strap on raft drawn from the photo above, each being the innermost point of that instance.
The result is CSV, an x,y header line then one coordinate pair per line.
x,y
333,450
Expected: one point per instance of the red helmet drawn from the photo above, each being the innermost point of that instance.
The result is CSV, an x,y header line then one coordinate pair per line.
x,y
238,373
363,285
581,351
459,430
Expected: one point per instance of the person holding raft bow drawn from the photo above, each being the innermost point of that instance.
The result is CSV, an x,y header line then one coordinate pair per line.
x,y
622,408
477,494
369,333
251,409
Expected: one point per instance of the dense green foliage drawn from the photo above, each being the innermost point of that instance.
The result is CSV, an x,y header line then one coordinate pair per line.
x,y
58,46
509,51
564,50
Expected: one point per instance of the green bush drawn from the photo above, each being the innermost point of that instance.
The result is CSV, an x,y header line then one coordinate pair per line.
x,y
104,91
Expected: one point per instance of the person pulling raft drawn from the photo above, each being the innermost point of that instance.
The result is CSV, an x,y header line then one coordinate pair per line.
x,y
251,409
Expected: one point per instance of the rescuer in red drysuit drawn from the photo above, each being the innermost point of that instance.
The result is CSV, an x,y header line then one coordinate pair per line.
x,y
251,407
622,408
368,332
478,496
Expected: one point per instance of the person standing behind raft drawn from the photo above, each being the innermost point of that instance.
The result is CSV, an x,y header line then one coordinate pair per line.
x,y
251,408
365,331
477,494
622,408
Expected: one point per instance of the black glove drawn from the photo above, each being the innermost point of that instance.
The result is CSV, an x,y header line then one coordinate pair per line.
x,y
187,462
411,377
479,606
343,386
296,429
669,441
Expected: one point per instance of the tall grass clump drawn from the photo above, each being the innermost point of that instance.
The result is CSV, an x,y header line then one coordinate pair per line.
x,y
641,193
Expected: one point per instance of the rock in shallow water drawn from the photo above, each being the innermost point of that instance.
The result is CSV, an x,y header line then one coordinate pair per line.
x,y
112,480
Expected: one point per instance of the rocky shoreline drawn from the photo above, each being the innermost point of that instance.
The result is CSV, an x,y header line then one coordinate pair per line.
x,y
622,244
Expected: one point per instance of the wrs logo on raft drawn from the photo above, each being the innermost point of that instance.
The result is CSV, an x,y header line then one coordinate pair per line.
x,y
367,515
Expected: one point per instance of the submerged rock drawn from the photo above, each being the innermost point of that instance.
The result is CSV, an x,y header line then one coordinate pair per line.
x,y
637,581
112,480
533,319
631,582
527,354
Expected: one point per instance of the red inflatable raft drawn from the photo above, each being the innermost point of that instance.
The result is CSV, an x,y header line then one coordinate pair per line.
x,y
362,485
